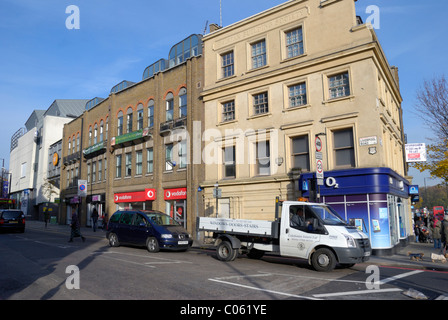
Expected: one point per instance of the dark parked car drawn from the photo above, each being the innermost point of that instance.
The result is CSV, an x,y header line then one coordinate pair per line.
x,y
13,220
152,229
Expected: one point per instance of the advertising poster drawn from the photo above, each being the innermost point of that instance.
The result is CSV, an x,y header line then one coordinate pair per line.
x,y
379,221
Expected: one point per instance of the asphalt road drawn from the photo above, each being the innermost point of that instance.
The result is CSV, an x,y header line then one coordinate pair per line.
x,y
41,265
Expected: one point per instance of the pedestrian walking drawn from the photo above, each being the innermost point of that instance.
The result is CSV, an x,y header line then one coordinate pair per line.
x,y
444,234
436,227
94,219
75,227
46,217
417,228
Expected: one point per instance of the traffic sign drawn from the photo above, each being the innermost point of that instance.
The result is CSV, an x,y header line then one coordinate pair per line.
x,y
318,144
319,169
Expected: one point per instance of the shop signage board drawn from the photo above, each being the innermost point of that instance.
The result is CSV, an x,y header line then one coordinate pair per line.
x,y
138,196
175,194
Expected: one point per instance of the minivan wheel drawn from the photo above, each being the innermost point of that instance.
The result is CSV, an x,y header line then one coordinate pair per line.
x,y
113,240
152,245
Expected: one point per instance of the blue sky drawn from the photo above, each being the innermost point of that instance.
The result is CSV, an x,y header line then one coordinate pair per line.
x,y
41,60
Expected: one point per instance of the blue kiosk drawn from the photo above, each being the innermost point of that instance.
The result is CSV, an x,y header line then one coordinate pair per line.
x,y
375,200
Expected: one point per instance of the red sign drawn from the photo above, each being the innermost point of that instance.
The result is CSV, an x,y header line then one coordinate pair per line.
x,y
175,194
139,196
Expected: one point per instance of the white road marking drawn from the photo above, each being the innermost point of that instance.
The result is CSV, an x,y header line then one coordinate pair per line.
x,y
350,293
264,290
403,275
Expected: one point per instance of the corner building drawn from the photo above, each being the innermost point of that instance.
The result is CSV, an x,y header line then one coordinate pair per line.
x,y
305,72
134,147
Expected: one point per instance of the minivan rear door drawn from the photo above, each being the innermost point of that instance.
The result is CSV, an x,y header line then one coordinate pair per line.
x,y
123,229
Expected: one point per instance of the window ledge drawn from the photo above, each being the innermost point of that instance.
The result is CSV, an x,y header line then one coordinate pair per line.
x,y
350,97
255,116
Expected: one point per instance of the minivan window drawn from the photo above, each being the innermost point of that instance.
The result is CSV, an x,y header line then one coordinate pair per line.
x,y
115,217
126,217
139,219
161,219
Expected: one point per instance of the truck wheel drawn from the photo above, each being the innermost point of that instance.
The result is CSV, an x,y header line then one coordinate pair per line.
x,y
152,245
255,254
225,251
323,260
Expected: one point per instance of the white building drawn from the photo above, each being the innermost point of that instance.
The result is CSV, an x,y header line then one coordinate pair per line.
x,y
29,154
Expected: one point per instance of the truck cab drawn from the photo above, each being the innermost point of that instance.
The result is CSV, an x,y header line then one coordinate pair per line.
x,y
316,232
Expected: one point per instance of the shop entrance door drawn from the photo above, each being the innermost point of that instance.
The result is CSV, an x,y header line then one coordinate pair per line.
x,y
176,209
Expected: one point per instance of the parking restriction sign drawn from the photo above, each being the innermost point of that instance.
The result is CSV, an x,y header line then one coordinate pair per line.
x,y
319,169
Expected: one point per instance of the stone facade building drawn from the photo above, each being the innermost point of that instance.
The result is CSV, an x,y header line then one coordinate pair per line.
x,y
300,101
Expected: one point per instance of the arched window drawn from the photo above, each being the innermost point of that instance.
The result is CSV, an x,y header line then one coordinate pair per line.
x,y
101,130
95,134
151,113
182,103
90,136
129,116
169,106
69,145
140,116
78,145
120,123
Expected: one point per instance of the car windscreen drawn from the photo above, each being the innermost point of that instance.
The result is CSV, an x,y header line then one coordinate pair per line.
x,y
161,219
11,214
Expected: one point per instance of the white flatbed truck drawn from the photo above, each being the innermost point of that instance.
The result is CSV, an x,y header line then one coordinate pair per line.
x,y
312,231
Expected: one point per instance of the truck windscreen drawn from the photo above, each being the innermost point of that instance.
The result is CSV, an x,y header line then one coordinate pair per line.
x,y
328,215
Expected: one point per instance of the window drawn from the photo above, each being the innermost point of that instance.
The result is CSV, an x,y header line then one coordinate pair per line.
x,y
297,95
344,151
260,102
139,116
182,103
258,54
88,173
227,65
93,172
151,113
129,116
294,42
138,162
118,161
128,164
149,160
77,143
228,111
182,152
101,131
120,123
339,85
100,170
169,107
229,162
95,134
70,145
23,170
300,153
263,159
169,157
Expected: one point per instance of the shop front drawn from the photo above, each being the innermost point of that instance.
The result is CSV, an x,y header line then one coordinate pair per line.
x,y
176,204
139,200
375,200
96,202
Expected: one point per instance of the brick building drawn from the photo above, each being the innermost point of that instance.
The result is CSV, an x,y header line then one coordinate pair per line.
x,y
133,148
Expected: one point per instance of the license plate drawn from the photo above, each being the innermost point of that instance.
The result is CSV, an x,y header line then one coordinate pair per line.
x,y
13,221
367,254
182,242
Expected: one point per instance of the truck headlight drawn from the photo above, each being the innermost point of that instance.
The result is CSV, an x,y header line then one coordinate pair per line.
x,y
166,236
351,243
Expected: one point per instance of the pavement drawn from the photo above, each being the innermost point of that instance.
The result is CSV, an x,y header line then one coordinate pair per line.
x,y
399,259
